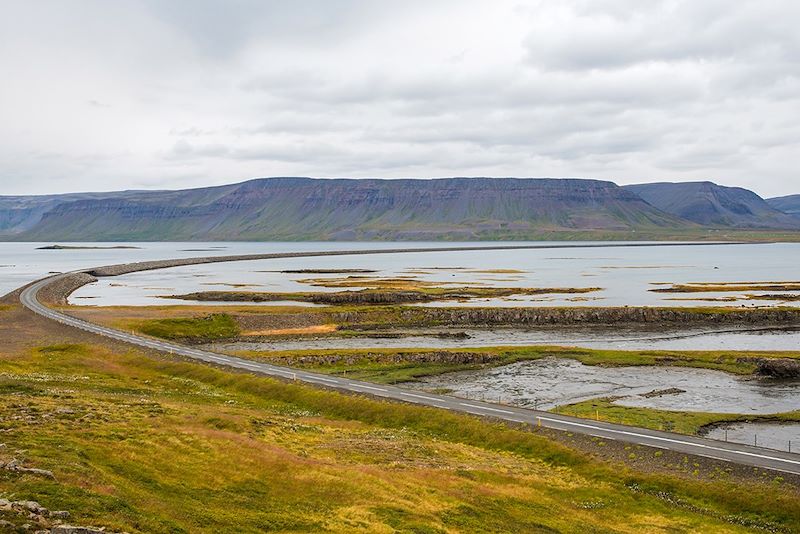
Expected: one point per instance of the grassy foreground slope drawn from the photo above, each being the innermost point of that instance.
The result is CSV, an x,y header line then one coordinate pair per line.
x,y
143,444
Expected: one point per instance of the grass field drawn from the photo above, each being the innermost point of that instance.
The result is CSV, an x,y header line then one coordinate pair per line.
x,y
145,445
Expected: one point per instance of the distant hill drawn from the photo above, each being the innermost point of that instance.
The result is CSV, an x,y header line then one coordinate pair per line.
x,y
709,204
340,209
790,204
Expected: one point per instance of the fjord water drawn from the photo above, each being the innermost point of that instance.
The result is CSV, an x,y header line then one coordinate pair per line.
x,y
21,263
625,274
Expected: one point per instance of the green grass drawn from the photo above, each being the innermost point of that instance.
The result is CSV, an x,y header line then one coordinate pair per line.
x,y
402,365
672,421
209,328
146,445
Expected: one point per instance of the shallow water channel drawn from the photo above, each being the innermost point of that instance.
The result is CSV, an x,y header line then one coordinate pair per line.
x,y
764,339
551,382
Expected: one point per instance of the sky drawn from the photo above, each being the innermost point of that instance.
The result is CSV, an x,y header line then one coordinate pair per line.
x,y
163,94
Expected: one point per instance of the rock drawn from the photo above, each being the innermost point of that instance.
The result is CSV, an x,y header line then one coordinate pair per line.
x,y
59,514
662,392
34,471
32,506
778,367
15,466
67,529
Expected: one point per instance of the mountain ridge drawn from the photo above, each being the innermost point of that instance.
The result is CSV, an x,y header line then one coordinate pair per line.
x,y
713,205
299,208
789,204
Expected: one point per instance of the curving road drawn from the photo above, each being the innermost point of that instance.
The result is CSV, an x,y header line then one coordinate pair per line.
x,y
717,450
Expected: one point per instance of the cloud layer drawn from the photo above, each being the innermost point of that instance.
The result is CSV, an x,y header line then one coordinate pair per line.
x,y
148,94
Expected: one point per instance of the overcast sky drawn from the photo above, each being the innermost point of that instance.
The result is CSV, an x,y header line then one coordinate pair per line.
x,y
103,95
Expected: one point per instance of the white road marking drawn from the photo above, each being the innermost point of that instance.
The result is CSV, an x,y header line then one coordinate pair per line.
x,y
433,399
368,387
326,379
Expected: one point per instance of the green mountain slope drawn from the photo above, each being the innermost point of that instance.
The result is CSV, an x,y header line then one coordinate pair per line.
x,y
342,209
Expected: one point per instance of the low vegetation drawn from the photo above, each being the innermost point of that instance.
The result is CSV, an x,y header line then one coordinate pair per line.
x,y
145,445
721,287
359,319
386,295
209,328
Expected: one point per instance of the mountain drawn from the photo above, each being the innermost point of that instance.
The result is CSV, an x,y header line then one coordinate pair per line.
x,y
709,204
338,209
789,204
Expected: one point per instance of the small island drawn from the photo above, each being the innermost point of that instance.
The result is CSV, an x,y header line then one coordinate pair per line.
x,y
78,247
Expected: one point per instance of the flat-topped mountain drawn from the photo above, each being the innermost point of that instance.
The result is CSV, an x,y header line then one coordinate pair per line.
x,y
305,208
714,205
372,209
789,204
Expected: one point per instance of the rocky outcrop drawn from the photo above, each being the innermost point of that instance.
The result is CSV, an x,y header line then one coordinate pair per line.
x,y
17,467
777,367
31,516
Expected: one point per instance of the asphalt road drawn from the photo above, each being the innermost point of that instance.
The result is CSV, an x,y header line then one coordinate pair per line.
x,y
718,450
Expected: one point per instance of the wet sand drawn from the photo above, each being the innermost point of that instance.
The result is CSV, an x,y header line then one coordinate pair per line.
x,y
552,382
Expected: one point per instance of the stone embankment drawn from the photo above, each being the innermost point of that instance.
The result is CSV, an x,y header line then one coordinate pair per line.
x,y
125,268
60,289
577,316
443,357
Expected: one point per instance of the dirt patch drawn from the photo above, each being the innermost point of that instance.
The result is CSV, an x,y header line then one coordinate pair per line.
x,y
303,330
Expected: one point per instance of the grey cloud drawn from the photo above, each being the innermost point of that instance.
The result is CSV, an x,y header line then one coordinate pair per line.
x,y
208,92
668,31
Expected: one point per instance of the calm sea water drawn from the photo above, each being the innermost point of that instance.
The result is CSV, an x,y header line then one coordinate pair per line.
x,y
624,274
